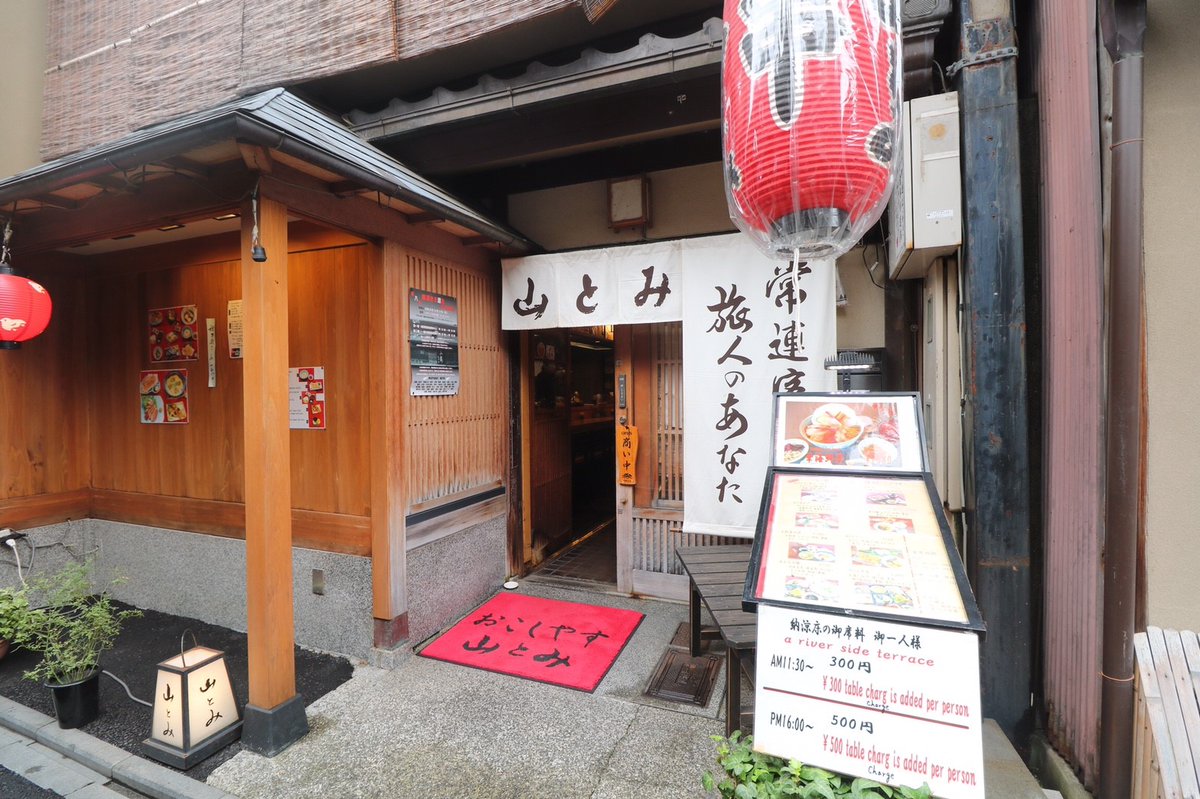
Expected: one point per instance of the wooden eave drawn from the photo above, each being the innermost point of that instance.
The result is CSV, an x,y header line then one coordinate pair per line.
x,y
206,163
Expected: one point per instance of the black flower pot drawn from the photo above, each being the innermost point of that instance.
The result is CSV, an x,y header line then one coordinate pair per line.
x,y
77,703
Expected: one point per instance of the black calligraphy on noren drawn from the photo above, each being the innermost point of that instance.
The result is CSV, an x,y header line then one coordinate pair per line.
x,y
661,290
526,307
589,290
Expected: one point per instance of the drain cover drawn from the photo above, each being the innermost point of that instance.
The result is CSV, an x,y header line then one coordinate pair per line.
x,y
680,678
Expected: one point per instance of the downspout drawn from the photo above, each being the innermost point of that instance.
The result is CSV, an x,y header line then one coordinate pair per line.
x,y
1123,23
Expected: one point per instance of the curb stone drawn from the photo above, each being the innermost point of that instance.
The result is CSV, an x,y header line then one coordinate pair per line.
x,y
110,761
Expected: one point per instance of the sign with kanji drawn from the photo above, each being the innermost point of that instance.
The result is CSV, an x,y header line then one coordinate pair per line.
x,y
894,703
627,448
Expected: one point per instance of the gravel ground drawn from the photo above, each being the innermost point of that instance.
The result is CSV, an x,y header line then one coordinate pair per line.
x,y
143,643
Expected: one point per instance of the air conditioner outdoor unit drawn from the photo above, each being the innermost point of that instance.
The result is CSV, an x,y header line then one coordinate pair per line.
x,y
925,212
919,12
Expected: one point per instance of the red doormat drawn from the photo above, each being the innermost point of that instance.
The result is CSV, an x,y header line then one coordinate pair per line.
x,y
562,643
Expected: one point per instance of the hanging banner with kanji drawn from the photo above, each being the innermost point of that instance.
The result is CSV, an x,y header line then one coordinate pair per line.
x,y
613,286
747,333
749,330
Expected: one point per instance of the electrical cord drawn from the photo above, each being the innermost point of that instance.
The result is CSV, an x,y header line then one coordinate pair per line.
x,y
126,687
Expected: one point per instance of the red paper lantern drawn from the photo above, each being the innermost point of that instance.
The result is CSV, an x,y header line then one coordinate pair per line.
x,y
24,309
810,110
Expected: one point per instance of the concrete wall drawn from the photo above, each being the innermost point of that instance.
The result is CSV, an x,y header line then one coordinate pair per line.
x,y
860,321
1172,227
23,44
451,575
204,577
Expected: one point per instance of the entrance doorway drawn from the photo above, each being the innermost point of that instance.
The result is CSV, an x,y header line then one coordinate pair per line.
x,y
572,454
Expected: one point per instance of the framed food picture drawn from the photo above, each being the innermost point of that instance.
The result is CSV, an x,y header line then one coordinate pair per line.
x,y
163,396
174,333
878,431
858,544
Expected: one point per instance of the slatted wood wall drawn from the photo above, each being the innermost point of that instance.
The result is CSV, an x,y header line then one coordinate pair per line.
x,y
44,471
460,443
190,477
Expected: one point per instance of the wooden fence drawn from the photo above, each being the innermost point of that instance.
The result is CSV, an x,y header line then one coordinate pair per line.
x,y
1166,712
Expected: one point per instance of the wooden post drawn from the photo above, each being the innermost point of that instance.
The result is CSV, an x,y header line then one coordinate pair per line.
x,y
389,365
623,353
275,715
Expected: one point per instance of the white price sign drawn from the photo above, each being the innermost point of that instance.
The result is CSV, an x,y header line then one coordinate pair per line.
x,y
895,703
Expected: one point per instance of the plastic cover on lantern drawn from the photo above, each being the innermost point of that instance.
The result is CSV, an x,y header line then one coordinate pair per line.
x,y
25,308
810,113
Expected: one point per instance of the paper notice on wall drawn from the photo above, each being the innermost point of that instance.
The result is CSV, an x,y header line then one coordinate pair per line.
x,y
752,326
234,323
306,398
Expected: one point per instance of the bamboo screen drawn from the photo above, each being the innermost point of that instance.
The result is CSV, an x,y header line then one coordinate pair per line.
x,y
668,376
460,442
116,65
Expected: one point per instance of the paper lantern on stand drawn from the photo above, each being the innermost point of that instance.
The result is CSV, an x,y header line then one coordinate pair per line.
x,y
24,305
810,113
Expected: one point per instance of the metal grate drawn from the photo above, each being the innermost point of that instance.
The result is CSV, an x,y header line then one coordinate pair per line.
x,y
682,678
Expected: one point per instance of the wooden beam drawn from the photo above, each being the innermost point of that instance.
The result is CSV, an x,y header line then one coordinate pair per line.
x,y
155,203
367,218
328,532
256,157
420,219
389,358
21,512
269,601
624,370
657,112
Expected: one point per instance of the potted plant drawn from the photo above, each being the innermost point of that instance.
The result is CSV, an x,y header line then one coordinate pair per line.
x,y
13,606
71,627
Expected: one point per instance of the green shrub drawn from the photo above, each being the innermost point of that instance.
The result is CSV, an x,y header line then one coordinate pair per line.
x,y
71,628
754,775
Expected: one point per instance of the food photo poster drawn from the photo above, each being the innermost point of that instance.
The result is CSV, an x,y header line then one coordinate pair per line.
x,y
843,431
163,396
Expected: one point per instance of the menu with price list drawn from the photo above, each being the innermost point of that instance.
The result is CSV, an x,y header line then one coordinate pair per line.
x,y
868,650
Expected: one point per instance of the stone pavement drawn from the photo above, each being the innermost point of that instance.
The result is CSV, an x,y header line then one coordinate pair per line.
x,y
75,764
433,729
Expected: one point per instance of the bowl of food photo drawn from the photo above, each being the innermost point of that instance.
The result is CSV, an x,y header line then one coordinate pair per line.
x,y
833,427
878,451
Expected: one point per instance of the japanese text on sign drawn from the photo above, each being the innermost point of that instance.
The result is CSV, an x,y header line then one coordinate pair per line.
x,y
895,703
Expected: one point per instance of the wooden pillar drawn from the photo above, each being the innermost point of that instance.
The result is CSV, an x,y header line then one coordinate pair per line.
x,y
275,714
389,381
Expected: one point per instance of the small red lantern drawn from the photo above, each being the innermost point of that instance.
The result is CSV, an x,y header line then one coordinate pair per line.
x,y
24,304
811,111
24,309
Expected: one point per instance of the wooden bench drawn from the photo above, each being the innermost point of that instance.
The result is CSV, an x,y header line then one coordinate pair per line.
x,y
716,577
1166,683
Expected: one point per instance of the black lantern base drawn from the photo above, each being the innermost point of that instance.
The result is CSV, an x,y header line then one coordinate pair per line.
x,y
186,758
10,345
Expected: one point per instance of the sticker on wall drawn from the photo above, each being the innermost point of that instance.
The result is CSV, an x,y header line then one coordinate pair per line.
x,y
306,398
174,334
163,396
233,322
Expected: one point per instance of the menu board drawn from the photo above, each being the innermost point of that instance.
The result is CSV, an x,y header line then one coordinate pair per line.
x,y
857,543
866,432
174,334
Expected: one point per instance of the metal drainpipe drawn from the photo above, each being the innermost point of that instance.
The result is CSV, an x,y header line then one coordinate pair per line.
x,y
1124,26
